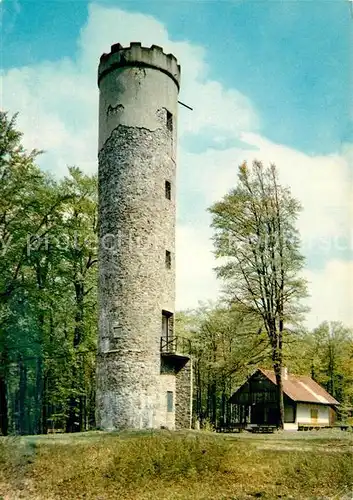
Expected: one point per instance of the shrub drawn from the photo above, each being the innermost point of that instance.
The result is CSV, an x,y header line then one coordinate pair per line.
x,y
208,426
334,470
166,457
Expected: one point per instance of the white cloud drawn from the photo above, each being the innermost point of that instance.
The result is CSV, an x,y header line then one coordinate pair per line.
x,y
195,279
58,104
58,101
331,293
323,186
58,113
321,183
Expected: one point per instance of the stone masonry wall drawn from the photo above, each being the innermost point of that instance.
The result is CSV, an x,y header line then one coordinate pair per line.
x,y
167,383
183,389
137,225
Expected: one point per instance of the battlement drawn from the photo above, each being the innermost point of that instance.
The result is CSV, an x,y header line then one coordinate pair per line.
x,y
138,56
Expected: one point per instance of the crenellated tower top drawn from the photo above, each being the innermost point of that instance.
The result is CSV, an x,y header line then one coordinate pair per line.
x,y
138,56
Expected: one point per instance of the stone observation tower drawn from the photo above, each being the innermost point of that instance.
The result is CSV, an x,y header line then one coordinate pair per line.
x,y
143,375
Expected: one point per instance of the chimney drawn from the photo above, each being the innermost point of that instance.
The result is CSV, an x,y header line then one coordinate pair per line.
x,y
284,373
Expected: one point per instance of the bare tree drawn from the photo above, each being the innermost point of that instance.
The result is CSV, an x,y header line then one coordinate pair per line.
x,y
255,234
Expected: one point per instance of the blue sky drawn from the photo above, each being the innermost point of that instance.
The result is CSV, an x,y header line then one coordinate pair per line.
x,y
291,58
265,78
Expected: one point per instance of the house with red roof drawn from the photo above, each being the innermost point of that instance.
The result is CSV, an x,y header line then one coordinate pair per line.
x,y
305,401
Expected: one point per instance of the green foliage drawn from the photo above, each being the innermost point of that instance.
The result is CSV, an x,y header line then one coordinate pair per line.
x,y
306,469
47,290
257,240
207,426
226,345
326,354
168,457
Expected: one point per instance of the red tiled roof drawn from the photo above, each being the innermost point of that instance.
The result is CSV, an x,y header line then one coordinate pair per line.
x,y
302,388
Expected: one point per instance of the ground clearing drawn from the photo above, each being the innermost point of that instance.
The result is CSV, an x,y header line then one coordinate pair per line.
x,y
178,465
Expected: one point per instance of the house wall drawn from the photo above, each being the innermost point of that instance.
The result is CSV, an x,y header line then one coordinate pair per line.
x,y
304,417
290,427
178,379
332,415
167,383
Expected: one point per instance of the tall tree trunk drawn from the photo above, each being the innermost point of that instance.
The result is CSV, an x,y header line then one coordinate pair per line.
x,y
223,417
199,415
22,390
91,409
82,385
75,419
44,418
214,402
209,401
4,420
78,334
331,369
277,367
38,425
71,422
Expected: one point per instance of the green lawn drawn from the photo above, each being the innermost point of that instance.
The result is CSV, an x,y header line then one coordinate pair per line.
x,y
178,465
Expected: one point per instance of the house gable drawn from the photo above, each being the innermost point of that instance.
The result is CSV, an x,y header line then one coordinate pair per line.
x,y
257,389
261,387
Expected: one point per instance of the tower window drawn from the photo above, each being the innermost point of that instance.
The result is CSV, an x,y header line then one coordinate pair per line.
x,y
170,402
169,121
167,324
168,259
168,190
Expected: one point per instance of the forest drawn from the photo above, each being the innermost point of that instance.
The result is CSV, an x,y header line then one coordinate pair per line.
x,y
48,297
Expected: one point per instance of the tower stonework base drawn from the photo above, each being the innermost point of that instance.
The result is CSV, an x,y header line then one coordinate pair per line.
x,y
137,167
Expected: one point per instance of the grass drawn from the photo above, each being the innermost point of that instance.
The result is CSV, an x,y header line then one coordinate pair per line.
x,y
177,465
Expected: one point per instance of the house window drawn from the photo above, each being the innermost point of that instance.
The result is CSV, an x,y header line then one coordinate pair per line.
x,y
168,259
314,414
289,414
169,121
168,190
170,402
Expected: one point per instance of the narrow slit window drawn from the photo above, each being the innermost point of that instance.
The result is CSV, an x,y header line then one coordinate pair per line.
x,y
168,259
164,326
170,402
167,324
168,190
169,121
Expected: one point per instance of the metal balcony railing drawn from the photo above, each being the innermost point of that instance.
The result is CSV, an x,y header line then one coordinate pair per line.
x,y
176,345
